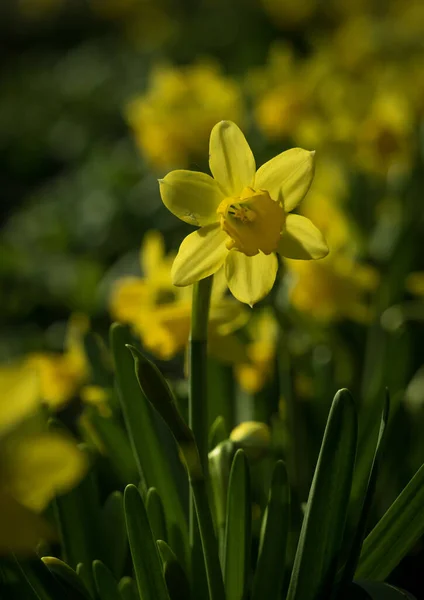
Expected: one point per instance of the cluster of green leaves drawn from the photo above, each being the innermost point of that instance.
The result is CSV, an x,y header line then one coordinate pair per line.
x,y
135,544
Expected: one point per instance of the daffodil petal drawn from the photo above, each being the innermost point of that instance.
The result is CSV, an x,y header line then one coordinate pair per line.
x,y
230,158
287,177
302,240
191,196
201,254
42,465
250,278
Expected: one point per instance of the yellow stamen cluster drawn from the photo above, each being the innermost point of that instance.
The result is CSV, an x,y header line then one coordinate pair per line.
x,y
253,221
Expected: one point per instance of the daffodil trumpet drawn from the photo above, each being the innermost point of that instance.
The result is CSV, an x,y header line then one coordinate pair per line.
x,y
243,214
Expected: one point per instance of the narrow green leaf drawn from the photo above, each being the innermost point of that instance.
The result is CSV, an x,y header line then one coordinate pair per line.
x,y
86,576
99,361
43,582
396,532
355,550
163,401
78,517
116,445
238,529
218,433
323,525
67,577
156,390
382,591
106,584
153,463
115,532
156,515
147,565
175,576
269,573
128,589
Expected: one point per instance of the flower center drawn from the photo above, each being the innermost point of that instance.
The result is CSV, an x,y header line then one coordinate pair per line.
x,y
253,221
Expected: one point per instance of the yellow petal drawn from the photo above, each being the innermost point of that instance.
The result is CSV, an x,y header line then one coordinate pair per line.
x,y
20,529
152,253
19,394
230,158
250,278
287,177
201,254
40,466
302,240
191,196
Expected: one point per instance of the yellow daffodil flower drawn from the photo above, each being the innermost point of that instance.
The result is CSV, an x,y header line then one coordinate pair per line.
x,y
161,313
243,215
35,464
61,375
333,289
172,120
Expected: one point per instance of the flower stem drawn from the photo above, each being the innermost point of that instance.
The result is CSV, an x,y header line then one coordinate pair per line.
x,y
198,401
197,414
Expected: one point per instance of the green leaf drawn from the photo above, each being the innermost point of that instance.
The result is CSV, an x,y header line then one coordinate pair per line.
x,y
323,525
67,577
396,532
106,584
115,532
147,565
269,573
153,463
355,550
86,576
78,516
116,445
380,591
156,515
43,582
128,589
161,397
175,576
98,359
218,433
238,529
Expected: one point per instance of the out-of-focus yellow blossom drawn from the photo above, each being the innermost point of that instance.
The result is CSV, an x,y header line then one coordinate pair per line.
x,y
172,120
333,289
35,464
259,367
324,206
243,215
61,375
161,313
415,283
385,136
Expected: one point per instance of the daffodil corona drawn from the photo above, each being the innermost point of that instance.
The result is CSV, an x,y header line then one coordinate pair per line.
x,y
243,215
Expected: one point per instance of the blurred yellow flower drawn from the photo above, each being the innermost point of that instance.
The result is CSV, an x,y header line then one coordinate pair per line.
x,y
61,375
333,289
242,214
160,313
415,283
256,371
172,120
35,464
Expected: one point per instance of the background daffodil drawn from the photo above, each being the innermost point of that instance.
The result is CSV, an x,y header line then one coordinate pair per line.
x,y
242,214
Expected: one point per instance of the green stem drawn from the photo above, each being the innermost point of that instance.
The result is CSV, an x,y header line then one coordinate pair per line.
x,y
198,421
197,399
